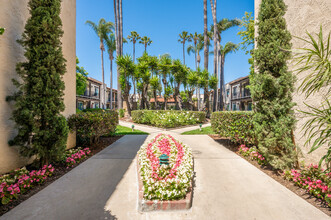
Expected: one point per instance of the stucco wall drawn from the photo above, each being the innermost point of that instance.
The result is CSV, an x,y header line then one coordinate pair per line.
x,y
303,16
13,15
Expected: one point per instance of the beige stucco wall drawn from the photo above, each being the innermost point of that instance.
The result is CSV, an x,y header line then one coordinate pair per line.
x,y
13,14
303,16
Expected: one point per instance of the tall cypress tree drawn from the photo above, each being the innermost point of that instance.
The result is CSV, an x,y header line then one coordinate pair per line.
x,y
42,130
272,86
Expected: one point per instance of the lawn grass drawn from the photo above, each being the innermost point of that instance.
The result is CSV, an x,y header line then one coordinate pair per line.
x,y
121,130
205,130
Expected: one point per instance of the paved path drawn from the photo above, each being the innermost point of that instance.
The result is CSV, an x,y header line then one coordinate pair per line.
x,y
226,187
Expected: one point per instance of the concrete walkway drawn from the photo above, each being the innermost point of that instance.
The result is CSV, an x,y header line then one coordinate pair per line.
x,y
226,187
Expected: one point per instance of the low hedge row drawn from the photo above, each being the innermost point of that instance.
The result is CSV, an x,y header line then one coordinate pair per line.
x,y
89,126
167,118
235,125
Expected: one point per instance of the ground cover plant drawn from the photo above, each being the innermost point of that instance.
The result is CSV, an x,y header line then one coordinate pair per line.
x,y
314,180
20,181
168,119
165,182
205,130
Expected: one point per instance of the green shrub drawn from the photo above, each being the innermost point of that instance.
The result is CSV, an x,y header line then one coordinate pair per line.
x,y
235,125
94,110
167,119
121,112
91,125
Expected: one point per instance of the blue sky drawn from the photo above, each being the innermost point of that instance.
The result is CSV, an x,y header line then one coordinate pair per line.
x,y
162,21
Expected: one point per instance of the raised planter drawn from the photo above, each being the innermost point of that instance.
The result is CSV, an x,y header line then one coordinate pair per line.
x,y
165,175
157,205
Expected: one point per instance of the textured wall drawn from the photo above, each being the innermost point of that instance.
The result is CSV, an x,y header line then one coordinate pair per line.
x,y
303,16
13,14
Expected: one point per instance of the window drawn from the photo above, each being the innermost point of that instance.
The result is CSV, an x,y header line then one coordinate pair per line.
x,y
227,92
234,92
96,89
80,106
249,106
234,107
97,105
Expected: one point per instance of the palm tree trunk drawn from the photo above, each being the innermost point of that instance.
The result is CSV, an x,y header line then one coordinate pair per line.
x,y
118,52
111,84
213,9
205,32
103,76
145,47
222,82
184,53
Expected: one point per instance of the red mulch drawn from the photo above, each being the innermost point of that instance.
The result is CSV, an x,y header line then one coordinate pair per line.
x,y
278,177
59,171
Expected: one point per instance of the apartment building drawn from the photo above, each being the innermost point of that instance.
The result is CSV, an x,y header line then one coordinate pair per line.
x,y
237,96
93,96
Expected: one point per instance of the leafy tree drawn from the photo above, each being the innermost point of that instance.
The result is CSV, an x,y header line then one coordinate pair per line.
x,y
316,61
111,47
165,67
127,68
179,73
143,75
42,130
183,37
192,84
102,30
146,41
248,31
272,87
81,81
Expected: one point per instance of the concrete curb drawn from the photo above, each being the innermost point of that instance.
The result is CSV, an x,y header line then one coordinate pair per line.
x,y
158,205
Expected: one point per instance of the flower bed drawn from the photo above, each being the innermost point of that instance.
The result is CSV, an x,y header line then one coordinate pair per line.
x,y
21,180
165,182
252,153
316,181
168,119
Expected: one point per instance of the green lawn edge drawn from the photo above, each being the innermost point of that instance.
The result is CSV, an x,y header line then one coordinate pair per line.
x,y
122,130
205,130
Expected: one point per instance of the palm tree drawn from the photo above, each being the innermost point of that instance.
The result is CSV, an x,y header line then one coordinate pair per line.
x,y
133,38
111,47
146,41
195,38
102,30
183,37
196,50
229,47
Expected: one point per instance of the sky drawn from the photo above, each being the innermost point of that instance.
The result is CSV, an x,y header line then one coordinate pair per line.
x,y
162,21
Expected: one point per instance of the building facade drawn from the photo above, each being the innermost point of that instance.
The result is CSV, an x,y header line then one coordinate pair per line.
x,y
305,16
93,96
13,16
237,96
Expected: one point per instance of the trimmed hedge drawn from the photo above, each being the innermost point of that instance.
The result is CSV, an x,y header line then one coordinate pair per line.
x,y
167,118
236,125
91,125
